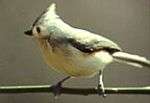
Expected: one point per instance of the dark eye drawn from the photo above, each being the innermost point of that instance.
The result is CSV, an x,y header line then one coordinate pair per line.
x,y
38,29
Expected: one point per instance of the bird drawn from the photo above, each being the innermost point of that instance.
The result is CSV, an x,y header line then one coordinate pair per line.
x,y
76,52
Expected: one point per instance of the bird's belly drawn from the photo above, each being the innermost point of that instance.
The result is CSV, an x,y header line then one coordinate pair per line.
x,y
75,65
74,62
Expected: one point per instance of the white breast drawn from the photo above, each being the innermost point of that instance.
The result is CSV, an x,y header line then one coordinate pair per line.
x,y
75,63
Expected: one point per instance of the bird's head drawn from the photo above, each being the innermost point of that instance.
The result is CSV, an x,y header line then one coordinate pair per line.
x,y
42,25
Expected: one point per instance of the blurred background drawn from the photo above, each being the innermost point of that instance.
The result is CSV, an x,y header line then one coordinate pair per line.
x,y
125,21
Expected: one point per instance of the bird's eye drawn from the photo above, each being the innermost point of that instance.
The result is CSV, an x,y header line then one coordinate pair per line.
x,y
38,29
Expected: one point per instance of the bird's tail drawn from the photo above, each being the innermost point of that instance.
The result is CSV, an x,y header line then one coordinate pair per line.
x,y
131,59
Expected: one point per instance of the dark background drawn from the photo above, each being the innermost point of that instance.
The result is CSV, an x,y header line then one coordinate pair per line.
x,y
125,21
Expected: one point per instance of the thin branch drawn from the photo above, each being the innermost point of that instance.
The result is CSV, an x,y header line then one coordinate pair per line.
x,y
73,91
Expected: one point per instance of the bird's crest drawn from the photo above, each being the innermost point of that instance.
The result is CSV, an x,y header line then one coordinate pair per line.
x,y
52,8
49,13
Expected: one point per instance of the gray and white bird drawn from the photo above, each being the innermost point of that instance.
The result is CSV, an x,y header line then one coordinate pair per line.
x,y
77,52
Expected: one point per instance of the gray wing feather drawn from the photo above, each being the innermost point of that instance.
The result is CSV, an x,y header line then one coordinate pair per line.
x,y
89,43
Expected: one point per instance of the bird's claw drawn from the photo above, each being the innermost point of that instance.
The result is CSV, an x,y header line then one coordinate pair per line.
x,y
101,90
57,87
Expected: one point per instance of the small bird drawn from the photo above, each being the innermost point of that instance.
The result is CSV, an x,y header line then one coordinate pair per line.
x,y
77,52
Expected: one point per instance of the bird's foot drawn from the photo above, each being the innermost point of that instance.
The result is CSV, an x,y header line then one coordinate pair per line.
x,y
57,89
101,90
58,86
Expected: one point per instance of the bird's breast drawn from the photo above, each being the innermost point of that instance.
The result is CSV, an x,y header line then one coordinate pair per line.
x,y
68,60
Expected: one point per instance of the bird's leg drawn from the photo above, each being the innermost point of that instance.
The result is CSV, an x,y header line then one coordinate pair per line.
x,y
57,87
63,80
100,88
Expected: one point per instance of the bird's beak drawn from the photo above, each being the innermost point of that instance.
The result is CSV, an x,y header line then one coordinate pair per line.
x,y
28,32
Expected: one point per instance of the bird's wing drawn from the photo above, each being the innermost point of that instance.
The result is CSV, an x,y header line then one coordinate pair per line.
x,y
88,42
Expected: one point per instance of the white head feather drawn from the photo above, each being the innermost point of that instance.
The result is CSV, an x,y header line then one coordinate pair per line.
x,y
51,12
